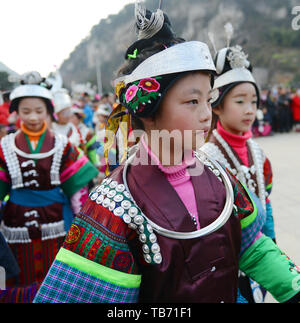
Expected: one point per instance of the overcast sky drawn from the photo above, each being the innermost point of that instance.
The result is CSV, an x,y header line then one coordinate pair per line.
x,y
40,34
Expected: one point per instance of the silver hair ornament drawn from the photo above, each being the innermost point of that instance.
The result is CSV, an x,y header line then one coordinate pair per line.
x,y
211,38
237,58
229,32
147,27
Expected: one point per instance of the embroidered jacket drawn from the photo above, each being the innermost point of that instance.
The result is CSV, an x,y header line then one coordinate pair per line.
x,y
38,213
112,254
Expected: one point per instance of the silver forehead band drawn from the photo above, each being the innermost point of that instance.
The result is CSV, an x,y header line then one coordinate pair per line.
x,y
30,90
183,57
234,75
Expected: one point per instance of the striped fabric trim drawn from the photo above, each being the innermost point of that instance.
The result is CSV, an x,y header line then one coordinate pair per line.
x,y
80,178
245,222
70,171
250,232
65,284
268,187
91,268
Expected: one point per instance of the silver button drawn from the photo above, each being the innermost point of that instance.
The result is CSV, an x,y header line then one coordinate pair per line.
x,y
132,226
119,211
147,258
133,211
111,193
112,206
105,190
157,258
141,228
118,198
155,248
100,199
120,188
138,220
152,238
127,218
145,248
149,228
99,188
113,184
127,194
126,204
94,196
213,269
106,202
143,238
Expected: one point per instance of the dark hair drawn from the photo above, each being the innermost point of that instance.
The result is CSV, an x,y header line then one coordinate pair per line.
x,y
48,104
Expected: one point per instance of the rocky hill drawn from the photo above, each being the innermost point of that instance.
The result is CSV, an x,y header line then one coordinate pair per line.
x,y
262,27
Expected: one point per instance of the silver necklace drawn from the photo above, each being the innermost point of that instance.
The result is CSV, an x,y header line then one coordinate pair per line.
x,y
243,172
217,224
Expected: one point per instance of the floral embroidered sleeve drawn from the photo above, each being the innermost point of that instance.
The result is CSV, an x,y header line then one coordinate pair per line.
x,y
95,264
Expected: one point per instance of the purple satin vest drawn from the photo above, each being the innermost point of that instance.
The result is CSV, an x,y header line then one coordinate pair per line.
x,y
195,270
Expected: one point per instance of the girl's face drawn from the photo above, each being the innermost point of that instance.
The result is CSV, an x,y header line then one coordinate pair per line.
x,y
64,116
75,120
186,111
33,112
239,109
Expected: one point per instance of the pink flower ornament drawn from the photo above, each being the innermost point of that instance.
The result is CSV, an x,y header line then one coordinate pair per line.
x,y
131,93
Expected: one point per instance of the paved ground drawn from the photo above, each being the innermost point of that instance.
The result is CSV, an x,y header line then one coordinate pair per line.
x,y
283,151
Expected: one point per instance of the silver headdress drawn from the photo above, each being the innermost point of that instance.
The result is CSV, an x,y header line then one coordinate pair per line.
x,y
32,85
147,27
235,57
61,100
183,57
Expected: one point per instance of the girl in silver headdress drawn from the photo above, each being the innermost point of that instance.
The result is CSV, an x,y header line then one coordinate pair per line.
x,y
46,179
231,142
170,225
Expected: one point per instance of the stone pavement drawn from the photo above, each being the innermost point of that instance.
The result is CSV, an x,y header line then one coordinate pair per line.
x,y
283,150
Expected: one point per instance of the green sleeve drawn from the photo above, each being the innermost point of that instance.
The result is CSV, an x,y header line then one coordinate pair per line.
x,y
80,179
264,262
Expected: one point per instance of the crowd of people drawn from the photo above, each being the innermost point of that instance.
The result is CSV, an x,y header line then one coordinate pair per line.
x,y
81,118
194,227
279,111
